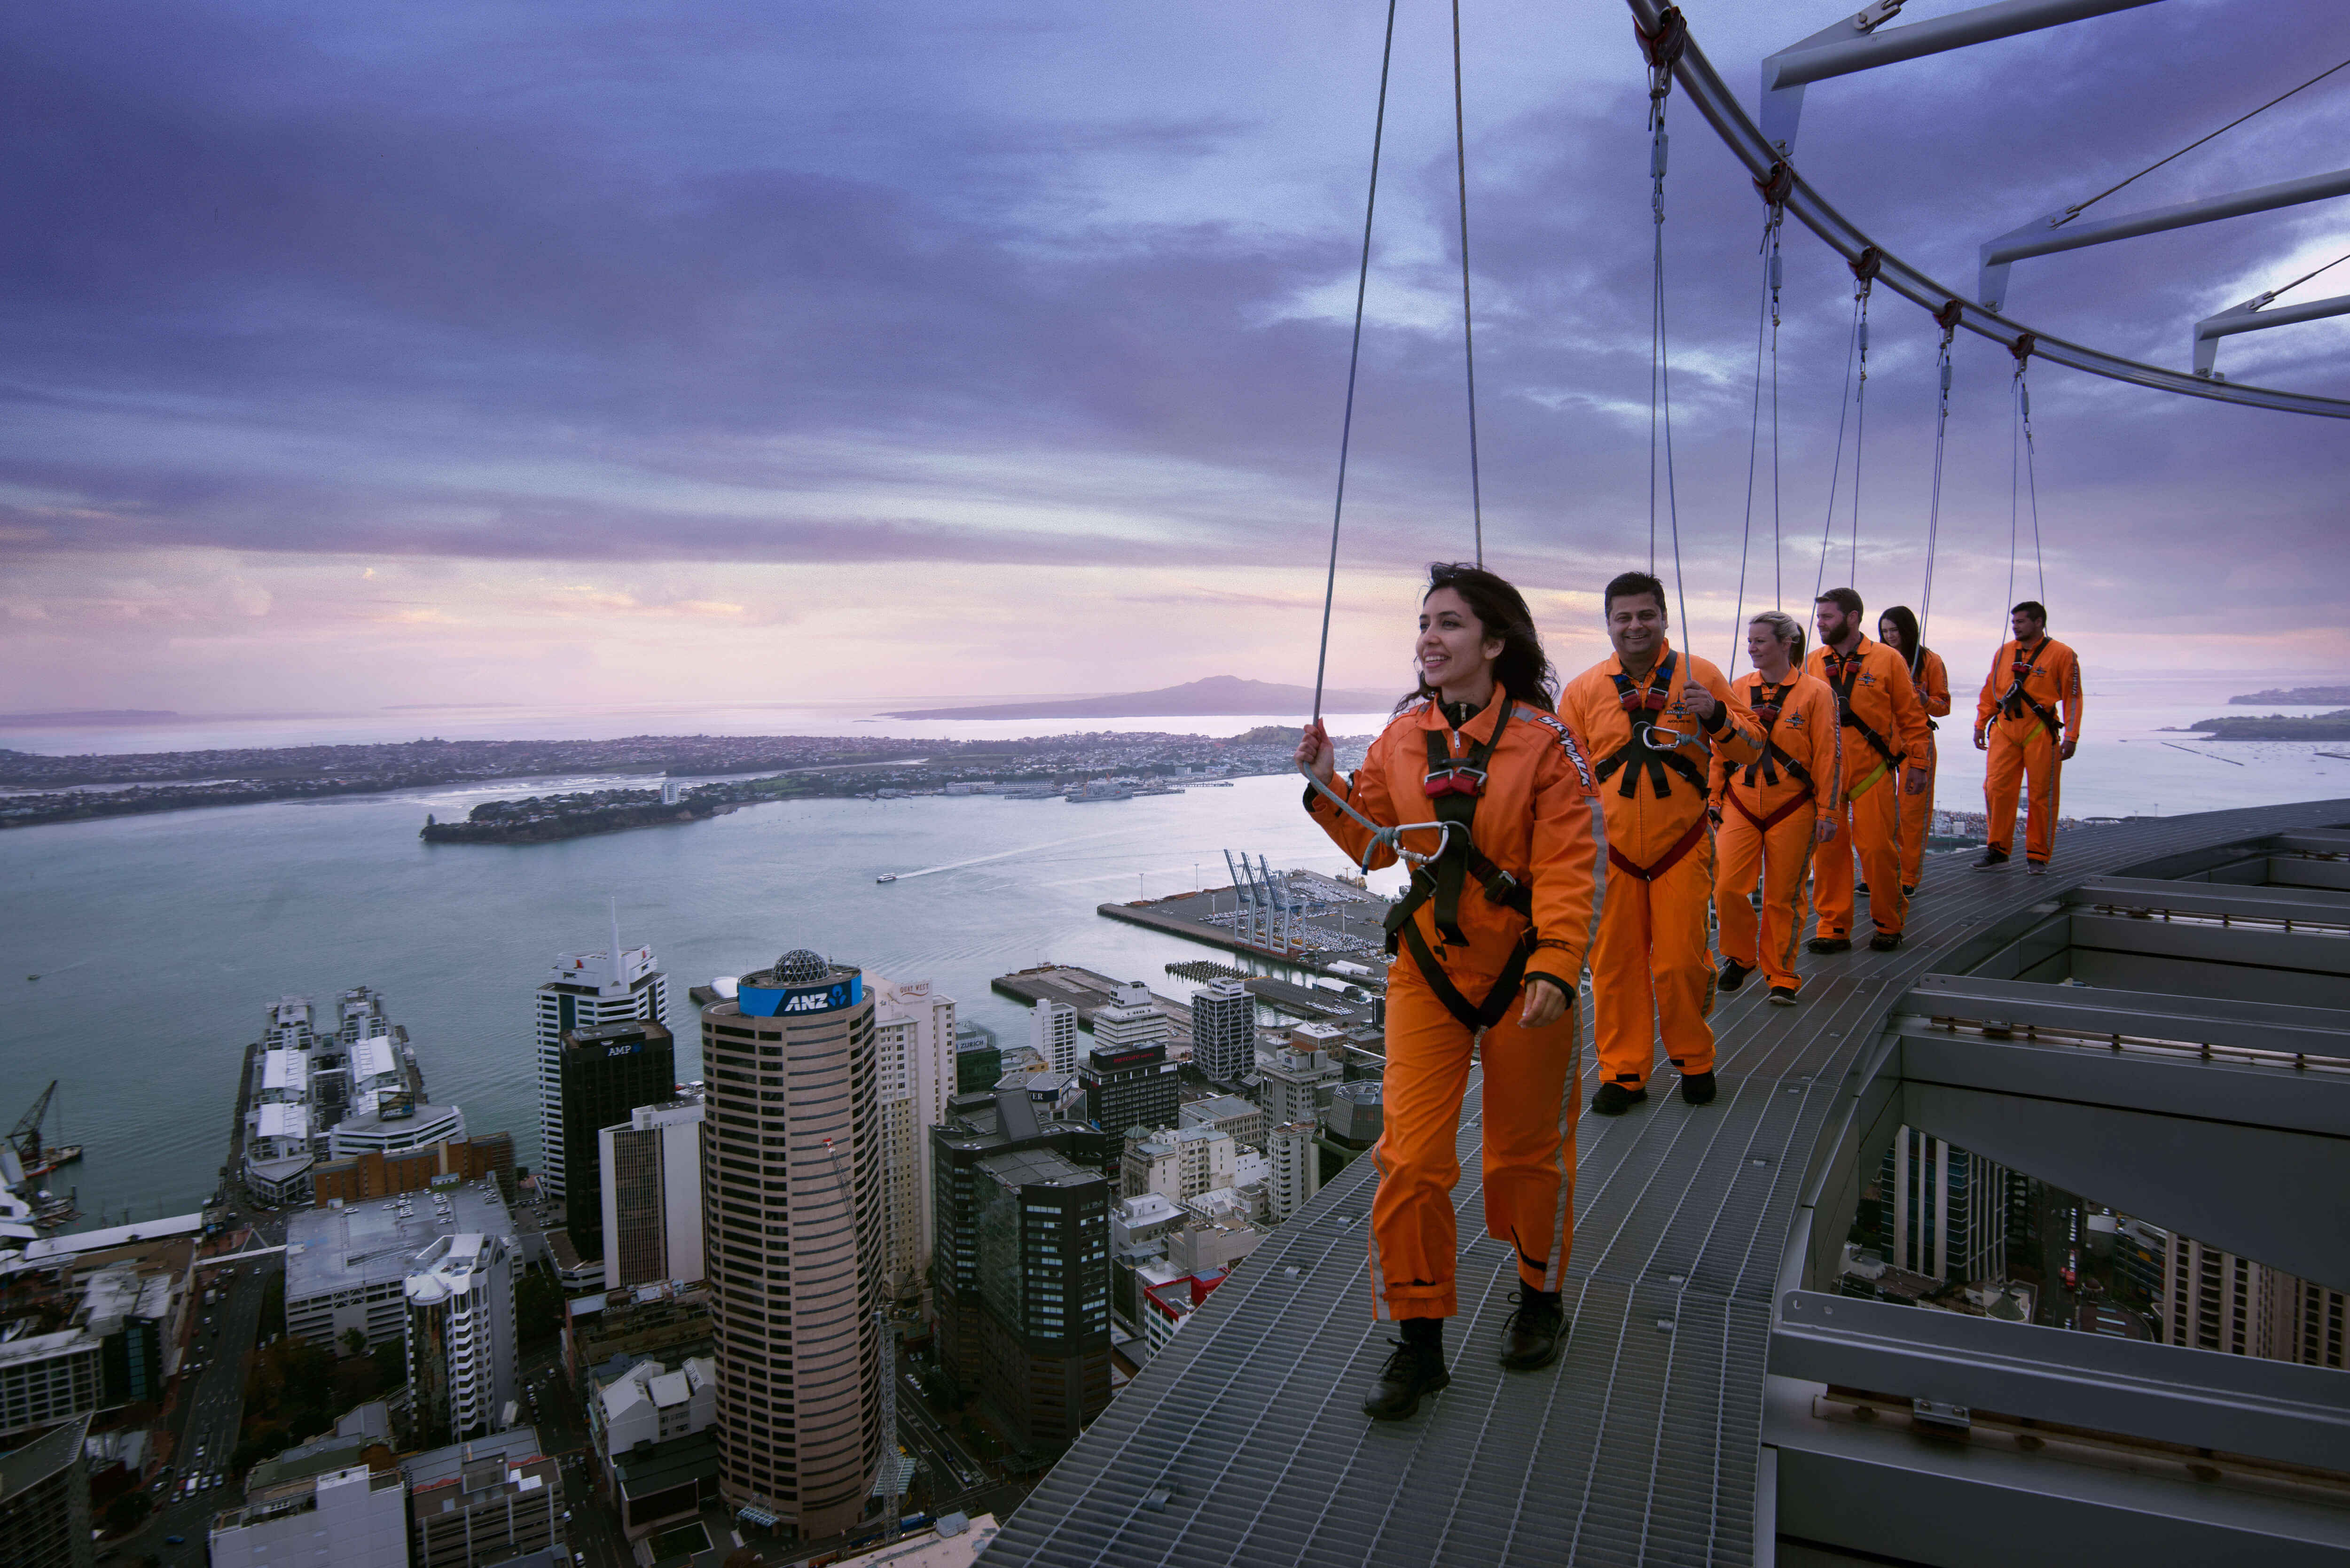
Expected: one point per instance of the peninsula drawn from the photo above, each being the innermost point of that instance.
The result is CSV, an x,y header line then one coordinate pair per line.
x,y
2302,694
1217,694
2334,726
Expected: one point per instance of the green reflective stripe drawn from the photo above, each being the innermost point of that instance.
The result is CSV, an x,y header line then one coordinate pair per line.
x,y
1863,787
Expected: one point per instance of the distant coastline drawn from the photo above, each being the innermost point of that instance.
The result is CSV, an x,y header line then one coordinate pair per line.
x,y
2334,726
2296,694
1217,695
69,716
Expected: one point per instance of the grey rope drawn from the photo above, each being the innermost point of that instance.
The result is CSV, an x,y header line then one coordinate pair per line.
x,y
1934,509
1661,377
1468,332
1354,362
1766,319
1844,411
2077,208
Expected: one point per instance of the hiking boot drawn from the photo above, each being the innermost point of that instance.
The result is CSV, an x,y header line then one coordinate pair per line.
x,y
2036,868
1534,1329
1860,888
1413,1371
1830,944
1991,859
1733,974
1697,1089
1908,888
1884,942
1615,1099
1783,996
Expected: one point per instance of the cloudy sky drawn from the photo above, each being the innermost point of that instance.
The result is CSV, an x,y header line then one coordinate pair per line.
x,y
626,351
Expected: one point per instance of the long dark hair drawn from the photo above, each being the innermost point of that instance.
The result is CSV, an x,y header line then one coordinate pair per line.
x,y
1905,622
1522,669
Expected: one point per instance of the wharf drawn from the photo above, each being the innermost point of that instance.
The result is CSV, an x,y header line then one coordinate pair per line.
x,y
1089,993
1331,922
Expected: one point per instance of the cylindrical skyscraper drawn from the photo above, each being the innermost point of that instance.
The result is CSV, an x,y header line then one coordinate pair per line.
x,y
791,1185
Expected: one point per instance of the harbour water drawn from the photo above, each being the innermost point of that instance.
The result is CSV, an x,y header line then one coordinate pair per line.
x,y
159,940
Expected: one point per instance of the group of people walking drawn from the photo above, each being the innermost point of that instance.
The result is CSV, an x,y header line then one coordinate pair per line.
x,y
1593,825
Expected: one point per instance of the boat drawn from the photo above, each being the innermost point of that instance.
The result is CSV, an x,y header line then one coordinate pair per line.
x,y
54,1156
1100,789
887,876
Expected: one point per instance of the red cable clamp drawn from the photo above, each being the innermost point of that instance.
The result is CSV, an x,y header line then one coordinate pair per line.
x,y
1864,267
2021,349
1663,46
1946,318
1776,185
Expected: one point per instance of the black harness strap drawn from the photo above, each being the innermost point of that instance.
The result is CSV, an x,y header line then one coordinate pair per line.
x,y
1638,752
1841,685
1483,1015
2017,698
1768,700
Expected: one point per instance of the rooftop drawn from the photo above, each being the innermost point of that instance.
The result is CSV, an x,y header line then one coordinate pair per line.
x,y
371,1243
2164,1021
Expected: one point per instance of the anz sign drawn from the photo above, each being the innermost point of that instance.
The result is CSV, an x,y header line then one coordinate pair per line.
x,y
799,1001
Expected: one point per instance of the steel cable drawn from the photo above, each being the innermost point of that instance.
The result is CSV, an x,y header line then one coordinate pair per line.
x,y
1468,330
2078,208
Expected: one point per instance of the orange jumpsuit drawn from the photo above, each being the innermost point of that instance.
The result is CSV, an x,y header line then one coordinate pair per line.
x,y
1768,814
1868,813
1651,973
1536,819
2021,739
1933,683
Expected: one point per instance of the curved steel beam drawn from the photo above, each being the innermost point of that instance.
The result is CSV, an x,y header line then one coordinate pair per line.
x,y
1723,111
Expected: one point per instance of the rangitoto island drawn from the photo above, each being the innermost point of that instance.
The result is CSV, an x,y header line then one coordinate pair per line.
x,y
2334,726
1217,694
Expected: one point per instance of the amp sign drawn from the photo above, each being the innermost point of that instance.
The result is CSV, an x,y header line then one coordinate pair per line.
x,y
799,1001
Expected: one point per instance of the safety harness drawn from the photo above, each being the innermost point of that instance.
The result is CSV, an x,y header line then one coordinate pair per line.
x,y
1641,700
1768,701
1843,674
1454,785
2017,698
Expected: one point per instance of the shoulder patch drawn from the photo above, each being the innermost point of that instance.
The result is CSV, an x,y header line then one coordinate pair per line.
x,y
1566,738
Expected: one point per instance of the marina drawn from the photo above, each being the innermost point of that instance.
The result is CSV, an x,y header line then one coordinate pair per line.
x,y
1302,918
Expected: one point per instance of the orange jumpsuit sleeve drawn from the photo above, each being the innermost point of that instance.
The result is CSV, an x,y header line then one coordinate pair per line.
x,y
1908,714
1987,705
1934,685
1367,791
1569,856
1826,739
1737,740
2071,680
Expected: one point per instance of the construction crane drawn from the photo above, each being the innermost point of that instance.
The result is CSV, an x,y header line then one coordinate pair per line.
x,y
24,1137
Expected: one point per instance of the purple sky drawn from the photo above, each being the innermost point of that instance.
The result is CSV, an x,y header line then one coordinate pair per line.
x,y
486,352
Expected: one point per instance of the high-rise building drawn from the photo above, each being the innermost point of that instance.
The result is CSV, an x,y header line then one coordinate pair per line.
x,y
587,991
1137,1088
45,1500
1245,1120
608,1072
979,1061
651,1181
462,1352
2213,1300
1179,1164
1299,1080
914,1047
1297,1164
1053,1031
352,1514
348,1268
492,1501
1949,1209
791,1191
1223,1031
1022,1263
1131,1021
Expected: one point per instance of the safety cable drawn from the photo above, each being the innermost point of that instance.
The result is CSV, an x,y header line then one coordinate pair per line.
x,y
1949,318
1859,437
2020,425
1835,471
1766,322
1468,331
2078,208
2305,277
1663,48
1353,361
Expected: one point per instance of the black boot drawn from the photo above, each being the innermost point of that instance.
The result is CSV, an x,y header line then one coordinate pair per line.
x,y
1884,942
1783,996
1532,1334
1992,858
1698,1088
1733,974
1414,1371
1615,1099
1830,944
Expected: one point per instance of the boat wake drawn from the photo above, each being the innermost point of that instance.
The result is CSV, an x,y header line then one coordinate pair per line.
x,y
1008,854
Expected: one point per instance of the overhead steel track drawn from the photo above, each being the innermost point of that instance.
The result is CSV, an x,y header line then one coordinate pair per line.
x,y
1724,112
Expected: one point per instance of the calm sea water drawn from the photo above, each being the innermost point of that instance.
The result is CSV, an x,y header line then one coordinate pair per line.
x,y
160,940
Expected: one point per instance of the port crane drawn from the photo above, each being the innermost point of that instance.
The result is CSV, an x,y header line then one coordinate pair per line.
x,y
24,1137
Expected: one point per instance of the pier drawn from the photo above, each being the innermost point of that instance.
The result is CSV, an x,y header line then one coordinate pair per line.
x,y
1327,922
1089,993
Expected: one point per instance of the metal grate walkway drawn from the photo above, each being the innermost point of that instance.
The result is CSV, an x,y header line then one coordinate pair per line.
x,y
1243,1443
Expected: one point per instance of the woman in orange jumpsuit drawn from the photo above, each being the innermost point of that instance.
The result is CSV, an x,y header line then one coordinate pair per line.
x,y
1505,909
1767,815
1897,629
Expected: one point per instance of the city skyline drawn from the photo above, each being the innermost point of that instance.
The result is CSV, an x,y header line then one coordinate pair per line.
x,y
363,374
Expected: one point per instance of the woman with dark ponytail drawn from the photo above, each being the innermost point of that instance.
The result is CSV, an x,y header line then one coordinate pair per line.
x,y
1499,801
1897,629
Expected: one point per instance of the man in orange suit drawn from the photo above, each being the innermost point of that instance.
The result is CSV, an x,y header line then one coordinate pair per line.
x,y
1655,717
1884,753
1767,815
2016,723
